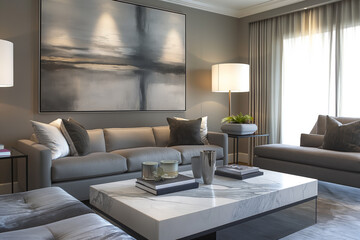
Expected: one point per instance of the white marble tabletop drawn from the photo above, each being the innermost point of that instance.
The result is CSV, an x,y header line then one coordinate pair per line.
x,y
185,213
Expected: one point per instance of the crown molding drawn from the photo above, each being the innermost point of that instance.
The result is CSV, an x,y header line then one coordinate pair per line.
x,y
205,6
258,8
266,6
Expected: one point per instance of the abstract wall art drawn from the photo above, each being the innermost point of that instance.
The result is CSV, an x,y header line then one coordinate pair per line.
x,y
105,55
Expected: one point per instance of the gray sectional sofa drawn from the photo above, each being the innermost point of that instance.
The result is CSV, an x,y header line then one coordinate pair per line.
x,y
51,213
310,159
116,154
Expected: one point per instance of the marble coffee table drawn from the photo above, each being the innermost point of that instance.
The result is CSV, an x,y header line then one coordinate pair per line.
x,y
188,213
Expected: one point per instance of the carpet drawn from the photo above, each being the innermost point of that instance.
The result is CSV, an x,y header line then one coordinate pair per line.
x,y
338,218
338,214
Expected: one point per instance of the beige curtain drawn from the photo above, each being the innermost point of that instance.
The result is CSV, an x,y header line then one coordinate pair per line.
x,y
266,60
265,75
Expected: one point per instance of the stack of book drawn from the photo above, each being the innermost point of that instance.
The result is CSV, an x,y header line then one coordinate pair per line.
x,y
238,171
4,152
165,186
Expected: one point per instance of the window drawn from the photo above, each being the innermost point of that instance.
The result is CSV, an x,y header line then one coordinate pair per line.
x,y
307,84
350,73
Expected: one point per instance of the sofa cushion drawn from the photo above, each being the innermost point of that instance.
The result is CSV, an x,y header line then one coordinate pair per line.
x,y
189,151
89,166
162,135
184,132
88,226
320,125
97,140
346,161
51,136
203,128
342,137
37,207
135,156
78,136
123,138
311,140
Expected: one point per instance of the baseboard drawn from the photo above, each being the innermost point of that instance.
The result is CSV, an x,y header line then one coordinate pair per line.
x,y
243,157
5,188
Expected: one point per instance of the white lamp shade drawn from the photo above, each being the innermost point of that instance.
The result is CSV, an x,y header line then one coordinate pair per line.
x,y
6,64
232,77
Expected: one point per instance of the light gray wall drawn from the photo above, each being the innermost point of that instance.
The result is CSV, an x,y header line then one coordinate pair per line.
x,y
211,38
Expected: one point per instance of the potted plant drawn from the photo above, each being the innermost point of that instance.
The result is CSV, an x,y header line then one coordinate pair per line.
x,y
239,124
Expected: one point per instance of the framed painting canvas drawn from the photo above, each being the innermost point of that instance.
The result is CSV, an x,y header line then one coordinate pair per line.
x,y
102,55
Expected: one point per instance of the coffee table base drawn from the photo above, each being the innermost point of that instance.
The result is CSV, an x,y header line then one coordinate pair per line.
x,y
273,224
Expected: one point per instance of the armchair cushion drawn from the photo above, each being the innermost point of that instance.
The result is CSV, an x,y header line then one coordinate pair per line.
x,y
88,226
342,137
311,140
37,207
345,161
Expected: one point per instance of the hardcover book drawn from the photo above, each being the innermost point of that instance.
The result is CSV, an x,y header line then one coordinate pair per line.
x,y
225,172
5,152
179,180
239,169
167,190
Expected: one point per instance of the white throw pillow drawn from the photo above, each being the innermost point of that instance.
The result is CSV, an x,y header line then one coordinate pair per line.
x,y
203,128
51,136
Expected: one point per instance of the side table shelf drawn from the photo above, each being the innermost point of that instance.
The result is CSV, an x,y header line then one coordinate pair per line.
x,y
14,155
236,143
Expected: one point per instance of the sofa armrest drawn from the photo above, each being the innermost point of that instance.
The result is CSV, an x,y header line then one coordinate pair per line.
x,y
220,139
39,157
311,140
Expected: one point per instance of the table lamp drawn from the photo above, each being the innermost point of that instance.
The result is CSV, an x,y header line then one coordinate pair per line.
x,y
6,64
230,77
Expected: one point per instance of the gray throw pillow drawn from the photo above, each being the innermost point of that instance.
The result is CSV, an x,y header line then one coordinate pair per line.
x,y
78,135
184,132
342,137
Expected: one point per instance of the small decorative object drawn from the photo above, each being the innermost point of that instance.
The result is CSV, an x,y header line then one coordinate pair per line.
x,y
170,168
149,170
196,166
239,125
208,161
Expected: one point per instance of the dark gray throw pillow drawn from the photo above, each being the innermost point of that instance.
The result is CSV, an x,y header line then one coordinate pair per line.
x,y
184,132
342,137
78,135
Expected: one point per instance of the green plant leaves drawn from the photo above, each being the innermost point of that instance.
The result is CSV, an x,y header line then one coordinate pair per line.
x,y
240,118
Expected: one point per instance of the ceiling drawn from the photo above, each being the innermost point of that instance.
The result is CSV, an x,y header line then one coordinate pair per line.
x,y
234,8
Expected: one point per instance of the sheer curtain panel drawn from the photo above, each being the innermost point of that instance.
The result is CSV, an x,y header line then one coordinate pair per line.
x,y
304,64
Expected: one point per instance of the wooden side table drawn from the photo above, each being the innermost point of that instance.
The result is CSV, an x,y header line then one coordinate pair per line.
x,y
14,155
236,140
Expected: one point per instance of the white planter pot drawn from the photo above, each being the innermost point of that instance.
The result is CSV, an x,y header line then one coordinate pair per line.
x,y
238,128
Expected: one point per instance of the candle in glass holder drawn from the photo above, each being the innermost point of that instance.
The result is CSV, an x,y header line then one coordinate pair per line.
x,y
170,168
148,170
